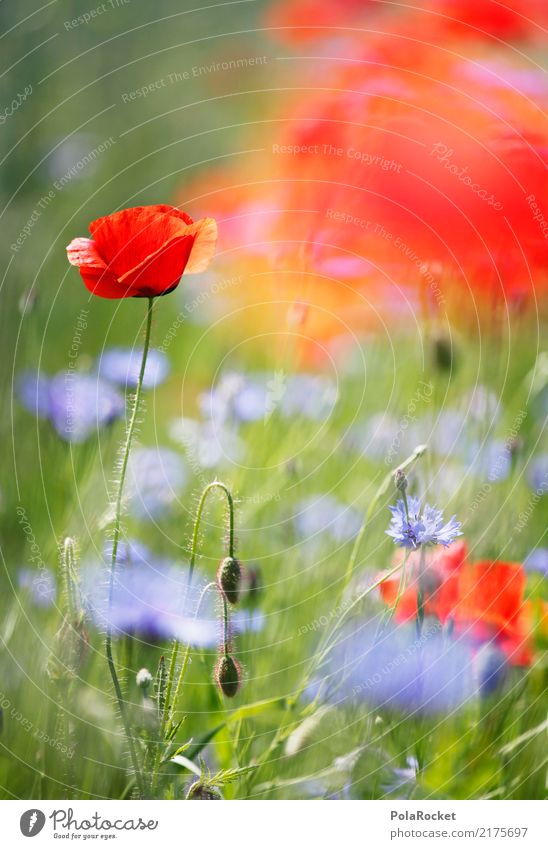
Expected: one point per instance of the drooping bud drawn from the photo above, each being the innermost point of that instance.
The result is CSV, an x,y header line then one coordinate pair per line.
x,y
143,679
227,675
204,791
229,576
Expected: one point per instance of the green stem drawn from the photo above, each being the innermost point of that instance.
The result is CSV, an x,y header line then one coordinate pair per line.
x,y
168,706
387,480
69,577
115,542
226,626
420,591
193,553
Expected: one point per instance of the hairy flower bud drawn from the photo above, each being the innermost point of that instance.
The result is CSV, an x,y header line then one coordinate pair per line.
x,y
229,576
143,679
202,790
227,675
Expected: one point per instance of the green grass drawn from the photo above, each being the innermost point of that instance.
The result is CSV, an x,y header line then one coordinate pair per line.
x,y
492,749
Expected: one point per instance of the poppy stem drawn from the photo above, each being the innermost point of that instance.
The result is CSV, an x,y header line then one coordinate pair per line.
x,y
193,553
115,542
226,627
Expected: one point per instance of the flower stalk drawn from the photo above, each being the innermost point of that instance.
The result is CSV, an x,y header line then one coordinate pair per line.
x,y
115,543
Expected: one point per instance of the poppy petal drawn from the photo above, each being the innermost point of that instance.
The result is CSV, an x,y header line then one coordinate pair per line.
x,y
204,245
160,272
84,252
93,270
128,238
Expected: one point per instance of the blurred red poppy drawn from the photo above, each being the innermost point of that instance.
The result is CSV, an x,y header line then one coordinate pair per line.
x,y
440,584
142,252
491,605
315,20
484,600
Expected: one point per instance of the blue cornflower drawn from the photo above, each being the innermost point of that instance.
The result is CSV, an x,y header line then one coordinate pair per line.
x,y
153,599
156,478
76,404
402,779
41,585
491,669
397,670
238,397
411,527
122,366
322,513
208,444
537,561
537,474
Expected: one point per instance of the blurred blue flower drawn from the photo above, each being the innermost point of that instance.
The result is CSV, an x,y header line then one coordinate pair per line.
x,y
41,585
537,561
33,392
378,437
482,404
207,444
152,597
122,366
248,621
397,669
492,459
402,778
76,404
537,474
309,395
234,398
156,479
239,397
325,514
491,666
443,435
421,527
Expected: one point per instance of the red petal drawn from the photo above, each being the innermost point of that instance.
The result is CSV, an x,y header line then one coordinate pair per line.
x,y
94,272
128,238
170,210
204,245
160,272
84,252
103,284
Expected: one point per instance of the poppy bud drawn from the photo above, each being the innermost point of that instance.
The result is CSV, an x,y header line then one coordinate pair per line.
x,y
227,675
229,576
203,790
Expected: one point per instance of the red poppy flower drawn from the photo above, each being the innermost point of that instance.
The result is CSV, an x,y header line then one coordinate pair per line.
x,y
484,600
142,252
491,606
440,583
